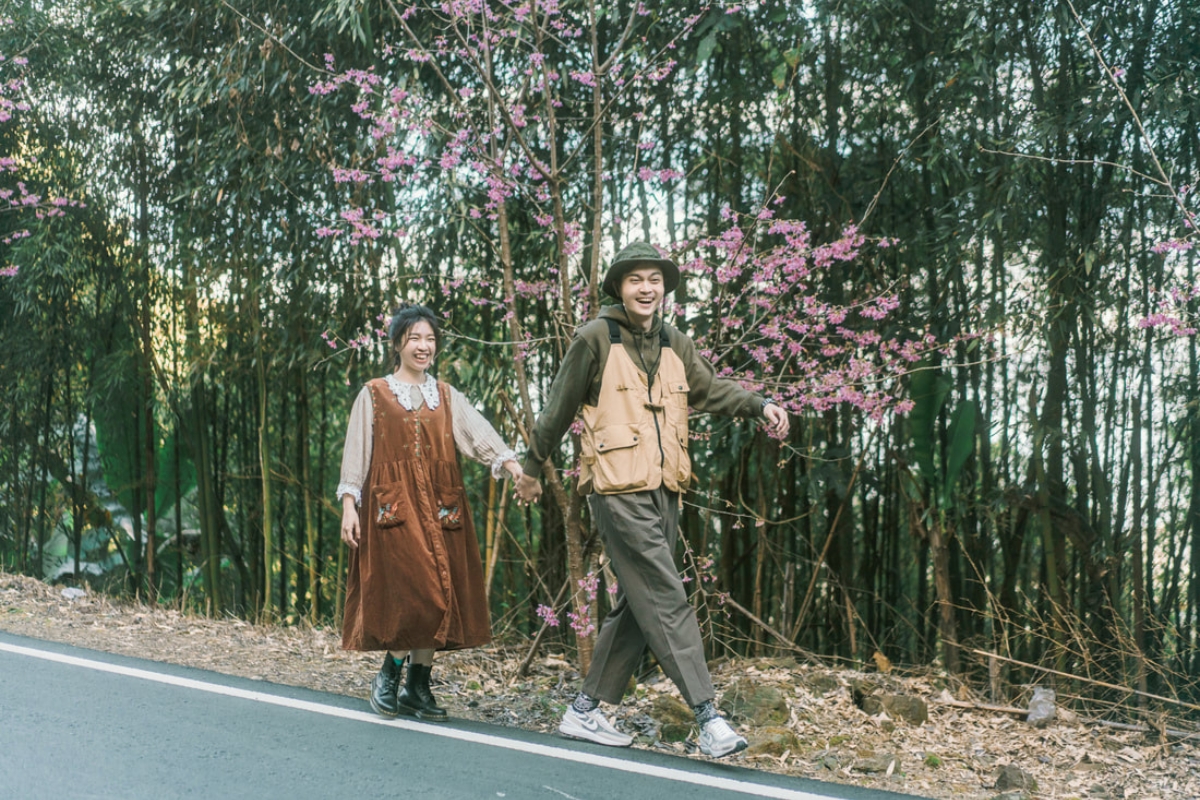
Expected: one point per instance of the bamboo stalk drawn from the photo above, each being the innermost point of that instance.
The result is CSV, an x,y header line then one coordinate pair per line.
x,y
812,584
1093,681
523,670
784,641
1020,712
1121,726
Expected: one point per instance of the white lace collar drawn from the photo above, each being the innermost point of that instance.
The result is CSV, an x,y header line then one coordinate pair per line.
x,y
404,395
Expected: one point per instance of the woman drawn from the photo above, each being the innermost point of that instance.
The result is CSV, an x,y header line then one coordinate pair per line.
x,y
415,583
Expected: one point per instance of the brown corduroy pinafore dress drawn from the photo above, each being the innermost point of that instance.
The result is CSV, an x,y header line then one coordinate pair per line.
x,y
416,579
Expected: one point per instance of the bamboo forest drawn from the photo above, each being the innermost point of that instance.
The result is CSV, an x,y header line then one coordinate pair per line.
x,y
953,239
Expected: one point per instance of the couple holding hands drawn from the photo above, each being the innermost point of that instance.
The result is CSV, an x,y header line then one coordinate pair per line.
x,y
415,583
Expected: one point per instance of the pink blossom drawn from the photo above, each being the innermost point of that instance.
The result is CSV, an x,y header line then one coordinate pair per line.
x,y
1172,245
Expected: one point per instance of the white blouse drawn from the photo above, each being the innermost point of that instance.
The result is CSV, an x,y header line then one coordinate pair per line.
x,y
473,434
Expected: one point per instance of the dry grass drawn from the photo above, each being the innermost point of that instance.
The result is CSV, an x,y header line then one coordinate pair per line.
x,y
955,754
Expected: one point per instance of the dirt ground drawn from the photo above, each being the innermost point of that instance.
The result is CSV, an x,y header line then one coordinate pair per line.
x,y
958,752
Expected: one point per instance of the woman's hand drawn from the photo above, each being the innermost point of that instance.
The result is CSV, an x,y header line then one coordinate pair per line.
x,y
350,531
528,490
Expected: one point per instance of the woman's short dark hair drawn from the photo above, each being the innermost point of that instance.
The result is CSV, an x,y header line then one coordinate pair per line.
x,y
404,318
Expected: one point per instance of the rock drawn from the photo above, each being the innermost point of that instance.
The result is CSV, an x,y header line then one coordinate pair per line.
x,y
820,683
774,741
71,593
644,726
1041,707
830,763
912,710
1009,777
878,763
871,704
1017,794
759,705
862,688
675,720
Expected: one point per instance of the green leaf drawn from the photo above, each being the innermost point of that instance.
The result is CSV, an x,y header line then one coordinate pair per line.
x,y
929,389
960,447
779,75
165,495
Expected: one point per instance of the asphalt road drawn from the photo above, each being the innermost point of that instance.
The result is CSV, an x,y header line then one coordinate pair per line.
x,y
78,724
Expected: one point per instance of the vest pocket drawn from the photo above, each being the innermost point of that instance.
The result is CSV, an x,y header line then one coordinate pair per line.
x,y
391,504
619,462
677,467
677,393
683,468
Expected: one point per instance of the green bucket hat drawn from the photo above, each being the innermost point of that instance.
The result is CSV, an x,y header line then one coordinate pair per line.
x,y
630,256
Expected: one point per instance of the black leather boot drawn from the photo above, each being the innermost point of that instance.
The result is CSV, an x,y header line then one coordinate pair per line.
x,y
416,699
385,686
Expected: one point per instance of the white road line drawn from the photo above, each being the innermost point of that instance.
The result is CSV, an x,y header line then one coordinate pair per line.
x,y
434,730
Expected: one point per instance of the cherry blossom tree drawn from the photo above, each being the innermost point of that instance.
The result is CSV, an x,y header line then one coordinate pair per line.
x,y
19,167
503,112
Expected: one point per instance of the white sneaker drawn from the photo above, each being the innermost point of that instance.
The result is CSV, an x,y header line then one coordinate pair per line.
x,y
718,739
592,727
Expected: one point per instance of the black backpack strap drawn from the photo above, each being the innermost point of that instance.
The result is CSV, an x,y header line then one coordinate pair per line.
x,y
614,331
663,338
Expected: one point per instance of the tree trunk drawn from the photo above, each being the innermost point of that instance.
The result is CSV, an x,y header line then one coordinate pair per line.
x,y
150,451
311,544
939,545
45,481
209,533
264,465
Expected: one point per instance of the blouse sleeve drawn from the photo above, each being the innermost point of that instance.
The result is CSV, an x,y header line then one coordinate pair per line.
x,y
356,457
476,438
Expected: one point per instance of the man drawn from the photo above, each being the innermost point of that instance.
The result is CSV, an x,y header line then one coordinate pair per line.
x,y
634,377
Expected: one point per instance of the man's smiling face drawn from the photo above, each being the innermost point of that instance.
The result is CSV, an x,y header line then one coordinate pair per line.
x,y
642,293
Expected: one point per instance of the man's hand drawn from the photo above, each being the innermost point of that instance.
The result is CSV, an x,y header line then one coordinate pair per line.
x,y
528,490
777,420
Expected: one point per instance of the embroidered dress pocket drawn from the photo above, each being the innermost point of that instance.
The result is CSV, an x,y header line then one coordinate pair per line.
x,y
450,508
391,504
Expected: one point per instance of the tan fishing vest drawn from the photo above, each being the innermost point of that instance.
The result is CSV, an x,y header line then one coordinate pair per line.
x,y
636,436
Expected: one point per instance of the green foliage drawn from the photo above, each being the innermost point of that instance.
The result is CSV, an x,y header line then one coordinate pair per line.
x,y
929,391
984,138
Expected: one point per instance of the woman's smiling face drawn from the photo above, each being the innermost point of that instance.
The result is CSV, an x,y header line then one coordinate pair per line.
x,y
417,348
